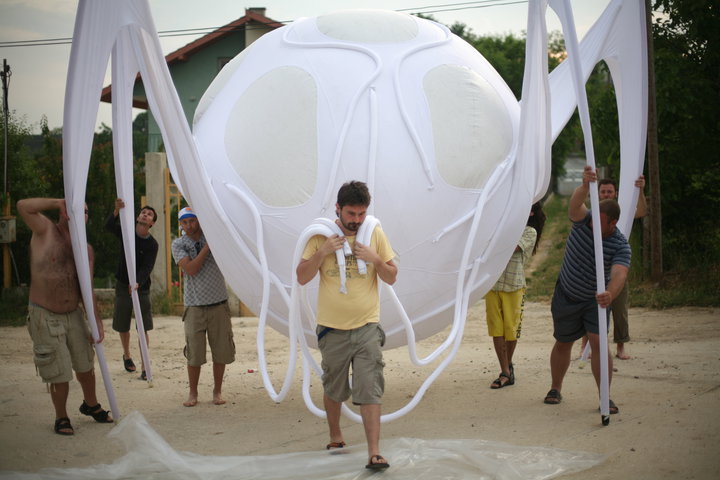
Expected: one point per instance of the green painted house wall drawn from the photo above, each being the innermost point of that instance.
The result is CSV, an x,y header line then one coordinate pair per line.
x,y
192,77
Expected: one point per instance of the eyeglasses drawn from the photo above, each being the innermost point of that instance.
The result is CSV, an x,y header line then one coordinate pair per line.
x,y
198,247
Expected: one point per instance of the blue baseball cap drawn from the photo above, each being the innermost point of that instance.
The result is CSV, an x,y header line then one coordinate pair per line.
x,y
186,212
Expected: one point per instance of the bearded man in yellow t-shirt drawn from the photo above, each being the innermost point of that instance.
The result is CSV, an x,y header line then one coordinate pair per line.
x,y
348,330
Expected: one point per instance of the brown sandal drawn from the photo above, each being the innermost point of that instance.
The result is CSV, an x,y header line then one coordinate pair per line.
x,y
332,445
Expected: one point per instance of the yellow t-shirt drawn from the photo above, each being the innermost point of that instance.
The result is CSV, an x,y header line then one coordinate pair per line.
x,y
361,304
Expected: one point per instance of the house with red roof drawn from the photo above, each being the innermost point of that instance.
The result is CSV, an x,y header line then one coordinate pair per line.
x,y
194,66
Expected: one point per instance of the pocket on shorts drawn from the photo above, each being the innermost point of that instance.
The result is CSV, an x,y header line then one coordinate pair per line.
x,y
45,358
382,335
55,327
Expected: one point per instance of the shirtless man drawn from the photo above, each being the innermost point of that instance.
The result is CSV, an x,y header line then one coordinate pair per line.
x,y
61,337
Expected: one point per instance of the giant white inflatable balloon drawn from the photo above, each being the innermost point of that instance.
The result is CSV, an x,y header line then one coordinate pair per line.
x,y
386,98
452,160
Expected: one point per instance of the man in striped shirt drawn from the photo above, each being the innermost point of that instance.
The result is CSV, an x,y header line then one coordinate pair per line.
x,y
574,303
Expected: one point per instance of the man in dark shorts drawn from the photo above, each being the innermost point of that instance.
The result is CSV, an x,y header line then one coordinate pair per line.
x,y
146,249
348,328
61,336
574,303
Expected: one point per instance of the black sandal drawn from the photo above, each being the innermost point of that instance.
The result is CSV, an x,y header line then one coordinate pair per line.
x,y
375,463
612,408
553,397
63,423
129,364
100,415
498,383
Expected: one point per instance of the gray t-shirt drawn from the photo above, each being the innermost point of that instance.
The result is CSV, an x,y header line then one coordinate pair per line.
x,y
206,287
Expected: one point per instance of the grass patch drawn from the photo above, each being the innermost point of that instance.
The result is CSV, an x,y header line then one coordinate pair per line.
x,y
551,250
691,287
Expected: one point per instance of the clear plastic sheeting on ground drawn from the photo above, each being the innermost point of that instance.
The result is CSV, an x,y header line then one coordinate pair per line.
x,y
149,456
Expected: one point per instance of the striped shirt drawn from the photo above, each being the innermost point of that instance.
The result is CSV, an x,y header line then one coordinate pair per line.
x,y
577,274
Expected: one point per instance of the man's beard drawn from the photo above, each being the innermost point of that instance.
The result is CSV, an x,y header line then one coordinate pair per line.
x,y
352,226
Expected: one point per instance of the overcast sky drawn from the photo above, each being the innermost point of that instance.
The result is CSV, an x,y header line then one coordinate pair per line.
x,y
37,84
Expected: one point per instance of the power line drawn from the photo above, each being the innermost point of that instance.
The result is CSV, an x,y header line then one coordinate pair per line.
x,y
448,7
164,33
460,6
440,10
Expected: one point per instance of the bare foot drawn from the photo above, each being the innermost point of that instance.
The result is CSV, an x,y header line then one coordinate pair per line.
x,y
217,399
623,356
191,401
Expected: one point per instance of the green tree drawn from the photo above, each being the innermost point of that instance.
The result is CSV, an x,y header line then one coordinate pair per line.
x,y
686,38
506,53
35,170
100,197
21,174
687,74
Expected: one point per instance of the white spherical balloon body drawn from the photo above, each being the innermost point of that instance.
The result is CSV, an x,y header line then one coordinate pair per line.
x,y
386,98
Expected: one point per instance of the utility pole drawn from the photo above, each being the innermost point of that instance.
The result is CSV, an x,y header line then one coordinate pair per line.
x,y
7,221
5,74
656,253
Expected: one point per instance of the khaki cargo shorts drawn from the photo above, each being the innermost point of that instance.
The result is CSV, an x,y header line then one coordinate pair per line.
x,y
208,324
60,343
360,349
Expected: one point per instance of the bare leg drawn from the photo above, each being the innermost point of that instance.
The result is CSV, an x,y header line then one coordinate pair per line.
x,y
87,383
621,352
193,379
502,355
332,411
559,363
218,373
59,395
595,347
510,347
371,422
125,341
501,352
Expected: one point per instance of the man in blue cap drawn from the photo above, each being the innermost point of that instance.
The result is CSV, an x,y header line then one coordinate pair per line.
x,y
207,315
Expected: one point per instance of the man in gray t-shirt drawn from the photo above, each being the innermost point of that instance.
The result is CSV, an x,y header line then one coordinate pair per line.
x,y
206,315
